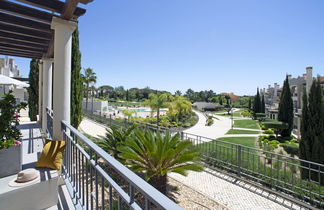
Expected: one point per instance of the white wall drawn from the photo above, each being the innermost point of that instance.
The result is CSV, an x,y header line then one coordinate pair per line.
x,y
98,106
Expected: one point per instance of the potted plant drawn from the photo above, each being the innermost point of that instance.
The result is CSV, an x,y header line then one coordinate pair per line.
x,y
10,144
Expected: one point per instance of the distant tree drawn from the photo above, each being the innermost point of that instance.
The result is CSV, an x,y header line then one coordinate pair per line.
x,y
178,93
220,101
88,78
179,108
127,95
128,113
156,102
76,82
257,103
286,112
213,99
262,104
33,90
228,98
250,104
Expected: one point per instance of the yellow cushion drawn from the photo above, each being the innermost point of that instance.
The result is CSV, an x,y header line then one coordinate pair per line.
x,y
52,155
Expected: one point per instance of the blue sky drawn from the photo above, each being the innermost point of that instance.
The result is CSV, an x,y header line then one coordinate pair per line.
x,y
223,45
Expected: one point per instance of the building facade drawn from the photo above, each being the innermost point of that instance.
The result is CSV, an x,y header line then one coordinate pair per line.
x,y
297,86
9,68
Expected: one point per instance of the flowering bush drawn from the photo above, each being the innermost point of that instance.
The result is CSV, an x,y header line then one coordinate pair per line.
x,y
9,119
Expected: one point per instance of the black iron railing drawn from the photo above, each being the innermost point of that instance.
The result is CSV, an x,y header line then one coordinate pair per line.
x,y
49,119
98,181
299,180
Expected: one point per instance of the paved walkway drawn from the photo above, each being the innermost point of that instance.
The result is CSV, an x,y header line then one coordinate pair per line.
x,y
230,192
92,128
216,130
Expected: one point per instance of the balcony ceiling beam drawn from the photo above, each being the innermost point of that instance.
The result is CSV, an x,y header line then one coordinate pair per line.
x,y
25,32
4,40
24,11
54,6
20,54
29,49
23,22
23,38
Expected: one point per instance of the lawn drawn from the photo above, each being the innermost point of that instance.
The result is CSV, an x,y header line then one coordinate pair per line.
x,y
224,113
245,141
219,111
234,131
237,114
246,124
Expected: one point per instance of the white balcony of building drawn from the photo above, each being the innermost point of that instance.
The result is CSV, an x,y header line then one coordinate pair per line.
x,y
89,178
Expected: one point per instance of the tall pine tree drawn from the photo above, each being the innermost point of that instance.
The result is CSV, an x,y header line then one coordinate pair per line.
x,y
316,125
305,149
33,79
285,112
76,82
312,132
262,104
257,103
250,104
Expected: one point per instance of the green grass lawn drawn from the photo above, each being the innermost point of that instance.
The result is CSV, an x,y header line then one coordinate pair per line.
x,y
218,112
246,124
245,141
232,131
237,114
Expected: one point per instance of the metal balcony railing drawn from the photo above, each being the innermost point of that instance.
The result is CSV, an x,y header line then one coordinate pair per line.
x,y
300,180
98,181
49,119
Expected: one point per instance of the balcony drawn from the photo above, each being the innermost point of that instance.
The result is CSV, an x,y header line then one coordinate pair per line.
x,y
91,179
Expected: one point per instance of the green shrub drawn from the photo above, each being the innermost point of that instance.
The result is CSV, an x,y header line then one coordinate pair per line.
x,y
209,122
290,149
268,131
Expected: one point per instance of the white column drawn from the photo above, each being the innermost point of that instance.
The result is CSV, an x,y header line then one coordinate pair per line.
x,y
40,84
63,30
47,90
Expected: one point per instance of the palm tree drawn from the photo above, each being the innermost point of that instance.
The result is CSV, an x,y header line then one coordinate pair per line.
x,y
156,155
88,78
114,137
156,102
180,107
128,113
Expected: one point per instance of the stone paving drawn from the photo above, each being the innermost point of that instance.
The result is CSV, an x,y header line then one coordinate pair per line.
x,y
232,193
92,128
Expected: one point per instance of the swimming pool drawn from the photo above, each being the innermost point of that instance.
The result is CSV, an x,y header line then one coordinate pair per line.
x,y
143,110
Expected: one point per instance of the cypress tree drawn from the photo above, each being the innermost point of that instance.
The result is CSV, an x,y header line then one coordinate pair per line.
x,y
305,150
76,82
33,90
262,104
250,104
285,112
257,103
315,131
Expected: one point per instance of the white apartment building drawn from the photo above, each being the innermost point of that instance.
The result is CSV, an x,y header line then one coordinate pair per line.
x,y
9,68
297,87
